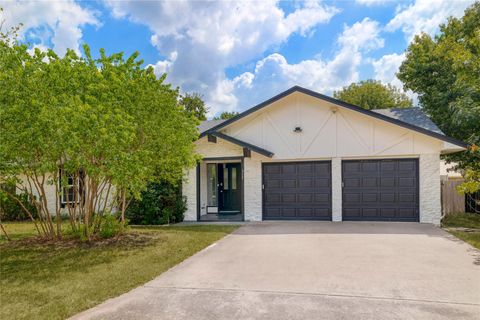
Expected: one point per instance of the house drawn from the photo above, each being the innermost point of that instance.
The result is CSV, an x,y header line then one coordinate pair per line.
x,y
304,156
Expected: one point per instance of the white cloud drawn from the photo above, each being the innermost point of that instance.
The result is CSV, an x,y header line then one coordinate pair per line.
x,y
386,67
426,16
274,73
57,21
385,70
364,34
371,2
212,36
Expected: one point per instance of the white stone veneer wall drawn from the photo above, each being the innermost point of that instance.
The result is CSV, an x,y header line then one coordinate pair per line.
x,y
430,202
189,190
252,178
336,189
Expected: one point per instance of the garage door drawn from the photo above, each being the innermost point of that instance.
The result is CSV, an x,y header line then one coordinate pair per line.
x,y
297,191
380,190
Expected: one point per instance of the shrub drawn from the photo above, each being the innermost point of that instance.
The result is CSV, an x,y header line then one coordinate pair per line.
x,y
161,203
105,226
11,210
110,226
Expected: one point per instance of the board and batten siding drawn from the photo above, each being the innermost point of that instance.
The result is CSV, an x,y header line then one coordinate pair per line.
x,y
329,132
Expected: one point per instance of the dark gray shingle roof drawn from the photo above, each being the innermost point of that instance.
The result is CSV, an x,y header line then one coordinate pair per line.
x,y
413,116
208,124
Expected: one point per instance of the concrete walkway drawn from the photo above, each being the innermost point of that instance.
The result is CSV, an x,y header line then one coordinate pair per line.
x,y
314,270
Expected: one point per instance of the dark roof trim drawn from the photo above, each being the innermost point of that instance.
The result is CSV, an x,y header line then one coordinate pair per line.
x,y
340,103
243,144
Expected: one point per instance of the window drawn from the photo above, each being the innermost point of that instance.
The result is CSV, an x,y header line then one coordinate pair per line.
x,y
225,177
70,189
234,178
212,185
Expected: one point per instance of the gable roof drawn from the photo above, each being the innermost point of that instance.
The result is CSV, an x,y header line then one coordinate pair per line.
x,y
208,124
414,116
393,117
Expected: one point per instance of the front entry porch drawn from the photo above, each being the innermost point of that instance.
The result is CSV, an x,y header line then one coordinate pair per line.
x,y
221,190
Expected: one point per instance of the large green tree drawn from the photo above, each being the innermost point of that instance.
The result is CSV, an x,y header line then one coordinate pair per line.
x,y
226,115
194,105
372,94
108,122
445,72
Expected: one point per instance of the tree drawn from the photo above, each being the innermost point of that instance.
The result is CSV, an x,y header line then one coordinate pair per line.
x,y
107,123
444,71
226,115
194,105
372,94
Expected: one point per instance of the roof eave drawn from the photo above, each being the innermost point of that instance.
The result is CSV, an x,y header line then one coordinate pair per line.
x,y
243,144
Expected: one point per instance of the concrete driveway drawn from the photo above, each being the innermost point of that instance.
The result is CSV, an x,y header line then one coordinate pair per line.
x,y
314,270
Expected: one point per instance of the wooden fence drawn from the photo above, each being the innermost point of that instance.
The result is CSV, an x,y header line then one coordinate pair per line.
x,y
452,202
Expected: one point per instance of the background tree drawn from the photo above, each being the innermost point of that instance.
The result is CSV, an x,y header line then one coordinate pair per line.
x,y
226,115
108,123
194,105
372,94
445,72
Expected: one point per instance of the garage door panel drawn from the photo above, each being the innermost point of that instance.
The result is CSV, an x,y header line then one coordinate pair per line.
x,y
305,169
380,190
369,166
288,169
387,197
406,212
369,198
407,166
388,212
406,182
322,197
351,182
304,191
369,212
305,182
289,183
406,197
387,167
352,197
387,182
369,182
322,183
288,198
352,213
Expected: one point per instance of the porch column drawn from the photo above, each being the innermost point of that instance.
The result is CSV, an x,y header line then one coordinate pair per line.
x,y
336,189
189,190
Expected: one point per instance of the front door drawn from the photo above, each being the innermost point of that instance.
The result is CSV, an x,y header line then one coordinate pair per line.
x,y
229,188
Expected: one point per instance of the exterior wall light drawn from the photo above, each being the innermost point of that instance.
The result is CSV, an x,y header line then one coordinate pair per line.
x,y
297,130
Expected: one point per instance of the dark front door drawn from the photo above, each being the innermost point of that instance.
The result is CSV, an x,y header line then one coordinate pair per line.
x,y
229,177
380,190
297,191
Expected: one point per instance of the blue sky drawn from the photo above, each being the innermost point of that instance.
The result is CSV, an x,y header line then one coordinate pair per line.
x,y
236,54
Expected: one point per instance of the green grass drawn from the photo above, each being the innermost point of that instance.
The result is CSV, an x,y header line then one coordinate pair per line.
x,y
464,220
58,280
17,230
472,238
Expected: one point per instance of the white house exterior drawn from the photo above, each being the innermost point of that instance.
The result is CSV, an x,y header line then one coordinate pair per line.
x,y
304,156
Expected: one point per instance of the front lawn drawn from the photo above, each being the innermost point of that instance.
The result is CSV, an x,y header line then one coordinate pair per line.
x,y
58,280
465,226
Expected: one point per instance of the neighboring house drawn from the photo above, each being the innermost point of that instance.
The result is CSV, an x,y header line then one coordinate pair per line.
x,y
304,156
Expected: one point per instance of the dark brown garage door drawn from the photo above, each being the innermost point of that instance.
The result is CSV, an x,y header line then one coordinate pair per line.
x,y
297,191
380,190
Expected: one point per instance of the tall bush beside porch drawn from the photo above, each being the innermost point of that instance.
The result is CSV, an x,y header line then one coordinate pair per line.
x,y
110,126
